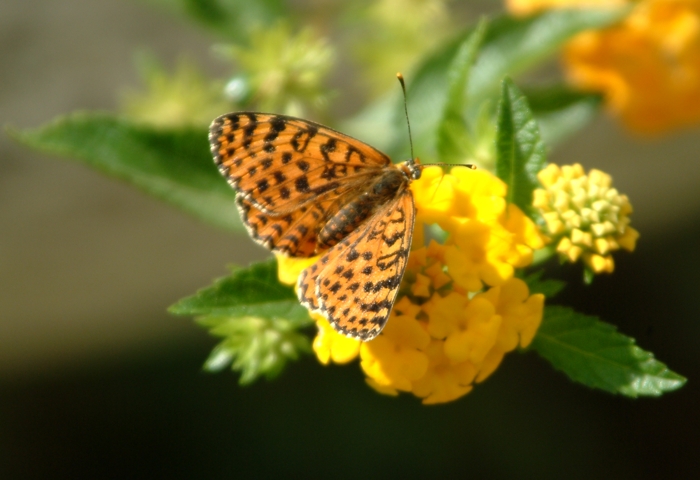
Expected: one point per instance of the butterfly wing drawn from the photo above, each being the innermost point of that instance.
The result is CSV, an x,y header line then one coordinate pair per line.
x,y
279,163
294,234
355,283
291,175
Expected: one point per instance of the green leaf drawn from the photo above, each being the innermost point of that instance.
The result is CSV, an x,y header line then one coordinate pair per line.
x,y
514,45
561,112
594,353
232,19
510,46
255,290
520,152
173,165
258,318
549,287
453,136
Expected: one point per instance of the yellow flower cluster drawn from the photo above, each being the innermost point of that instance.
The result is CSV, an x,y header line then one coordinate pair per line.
x,y
439,341
442,336
586,216
648,66
488,238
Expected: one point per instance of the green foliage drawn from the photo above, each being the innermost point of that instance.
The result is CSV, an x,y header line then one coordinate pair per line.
x,y
588,275
392,35
231,19
549,287
454,140
560,111
514,45
594,353
174,165
510,46
257,317
520,152
252,291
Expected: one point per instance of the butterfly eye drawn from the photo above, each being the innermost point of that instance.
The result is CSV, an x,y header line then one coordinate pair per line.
x,y
416,172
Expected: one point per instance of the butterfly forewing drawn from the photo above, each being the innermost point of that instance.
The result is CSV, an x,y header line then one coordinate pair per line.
x,y
355,283
295,233
280,163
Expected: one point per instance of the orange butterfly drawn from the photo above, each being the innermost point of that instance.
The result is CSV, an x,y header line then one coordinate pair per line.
x,y
304,189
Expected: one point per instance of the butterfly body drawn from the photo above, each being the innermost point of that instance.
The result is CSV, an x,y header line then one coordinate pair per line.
x,y
305,189
350,216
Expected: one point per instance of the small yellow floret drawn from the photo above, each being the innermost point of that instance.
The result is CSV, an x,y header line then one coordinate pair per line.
x,y
628,240
329,345
395,358
289,268
421,287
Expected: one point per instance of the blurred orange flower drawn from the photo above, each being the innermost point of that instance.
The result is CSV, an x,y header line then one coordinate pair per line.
x,y
648,66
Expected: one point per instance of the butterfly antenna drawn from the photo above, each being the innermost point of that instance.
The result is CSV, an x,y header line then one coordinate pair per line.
x,y
405,109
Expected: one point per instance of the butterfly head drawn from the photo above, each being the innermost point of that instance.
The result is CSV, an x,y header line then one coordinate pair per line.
x,y
411,168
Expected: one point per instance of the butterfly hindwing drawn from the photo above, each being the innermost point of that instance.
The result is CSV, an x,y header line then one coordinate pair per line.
x,y
355,283
295,233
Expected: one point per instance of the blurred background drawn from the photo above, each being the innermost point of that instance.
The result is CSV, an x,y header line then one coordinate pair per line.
x,y
98,381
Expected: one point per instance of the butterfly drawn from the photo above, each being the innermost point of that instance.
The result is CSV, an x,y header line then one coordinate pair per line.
x,y
304,189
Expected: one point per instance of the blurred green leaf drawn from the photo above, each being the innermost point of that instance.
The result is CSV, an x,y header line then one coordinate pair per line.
x,y
520,152
513,45
510,46
232,19
173,165
257,317
549,287
254,291
376,125
594,353
453,136
561,111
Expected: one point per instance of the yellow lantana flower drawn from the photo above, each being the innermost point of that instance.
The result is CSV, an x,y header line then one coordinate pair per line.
x,y
585,215
648,65
488,238
460,309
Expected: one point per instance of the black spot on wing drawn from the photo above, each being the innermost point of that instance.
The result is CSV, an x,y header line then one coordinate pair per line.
x,y
302,184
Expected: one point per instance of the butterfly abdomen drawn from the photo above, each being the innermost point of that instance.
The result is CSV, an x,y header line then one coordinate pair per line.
x,y
352,214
